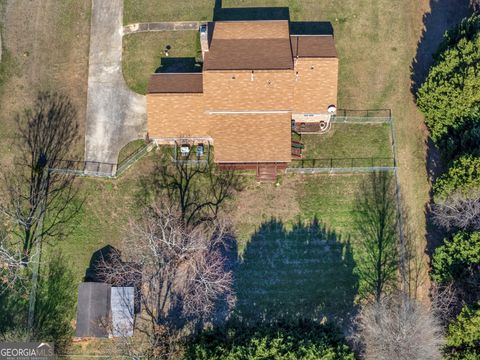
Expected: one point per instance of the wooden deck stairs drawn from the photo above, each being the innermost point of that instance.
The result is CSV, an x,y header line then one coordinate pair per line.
x,y
266,173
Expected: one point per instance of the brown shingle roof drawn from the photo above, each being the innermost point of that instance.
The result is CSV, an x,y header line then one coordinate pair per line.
x,y
230,30
175,83
251,137
251,54
313,46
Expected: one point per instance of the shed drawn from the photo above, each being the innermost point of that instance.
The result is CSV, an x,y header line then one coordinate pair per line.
x,y
93,309
122,306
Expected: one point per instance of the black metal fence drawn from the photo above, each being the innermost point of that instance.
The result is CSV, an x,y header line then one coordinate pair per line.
x,y
380,113
100,169
336,163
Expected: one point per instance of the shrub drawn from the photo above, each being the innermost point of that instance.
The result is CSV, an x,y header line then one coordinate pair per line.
x,y
457,259
55,306
450,95
462,177
304,340
463,337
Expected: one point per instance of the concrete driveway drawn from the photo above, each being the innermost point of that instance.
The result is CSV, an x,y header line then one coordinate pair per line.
x,y
115,114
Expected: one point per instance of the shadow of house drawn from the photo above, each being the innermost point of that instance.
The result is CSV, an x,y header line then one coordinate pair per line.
x,y
271,13
303,273
179,65
250,13
311,28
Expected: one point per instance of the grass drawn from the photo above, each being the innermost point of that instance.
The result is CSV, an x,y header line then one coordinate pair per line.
x,y
103,220
288,266
129,149
50,53
305,272
174,10
348,145
143,54
376,43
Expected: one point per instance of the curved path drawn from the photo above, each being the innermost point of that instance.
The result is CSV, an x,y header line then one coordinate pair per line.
x,y
115,114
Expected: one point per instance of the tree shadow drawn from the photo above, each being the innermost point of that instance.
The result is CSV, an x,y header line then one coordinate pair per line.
x,y
443,15
179,65
303,273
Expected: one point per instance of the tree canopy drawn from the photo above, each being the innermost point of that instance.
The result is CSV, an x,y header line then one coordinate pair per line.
x,y
462,177
463,337
450,96
457,259
303,340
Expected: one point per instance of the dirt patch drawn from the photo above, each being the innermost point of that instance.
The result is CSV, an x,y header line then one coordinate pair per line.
x,y
48,41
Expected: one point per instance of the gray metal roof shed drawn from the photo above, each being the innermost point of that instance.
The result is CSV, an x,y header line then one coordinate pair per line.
x,y
93,309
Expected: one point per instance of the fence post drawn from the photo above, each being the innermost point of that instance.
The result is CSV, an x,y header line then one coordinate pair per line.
x,y
331,163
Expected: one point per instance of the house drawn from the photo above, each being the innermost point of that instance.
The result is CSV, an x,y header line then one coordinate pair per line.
x,y
258,81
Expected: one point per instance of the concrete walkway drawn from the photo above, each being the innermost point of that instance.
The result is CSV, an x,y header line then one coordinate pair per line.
x,y
115,114
161,26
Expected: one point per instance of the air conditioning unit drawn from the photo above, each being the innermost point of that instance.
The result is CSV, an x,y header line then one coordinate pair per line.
x,y
185,149
200,150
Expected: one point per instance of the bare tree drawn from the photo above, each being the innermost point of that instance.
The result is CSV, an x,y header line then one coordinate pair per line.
x,y
375,221
198,188
183,274
458,212
475,4
12,264
399,328
35,201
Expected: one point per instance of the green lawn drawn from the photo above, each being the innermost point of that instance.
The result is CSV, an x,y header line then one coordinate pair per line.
x,y
171,10
302,261
103,220
348,145
143,54
376,42
305,272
